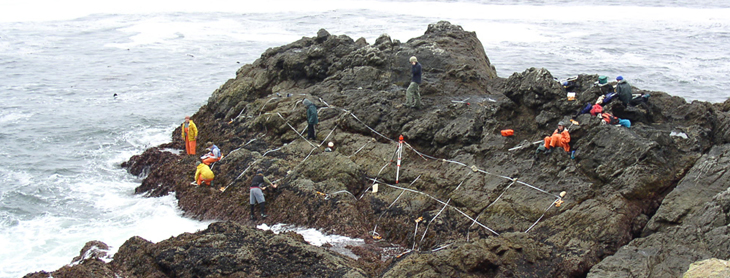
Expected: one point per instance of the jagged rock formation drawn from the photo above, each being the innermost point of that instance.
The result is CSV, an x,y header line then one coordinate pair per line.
x,y
691,225
617,182
225,249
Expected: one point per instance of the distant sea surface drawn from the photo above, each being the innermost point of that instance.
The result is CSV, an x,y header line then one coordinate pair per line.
x,y
64,135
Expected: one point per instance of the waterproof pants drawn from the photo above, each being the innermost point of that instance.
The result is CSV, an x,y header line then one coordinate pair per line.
x,y
210,160
202,180
556,141
190,146
310,131
413,97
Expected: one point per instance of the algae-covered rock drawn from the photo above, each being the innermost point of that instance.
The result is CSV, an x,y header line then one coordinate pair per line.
x,y
642,201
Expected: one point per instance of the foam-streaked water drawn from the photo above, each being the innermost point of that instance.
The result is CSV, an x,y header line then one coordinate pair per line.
x,y
65,136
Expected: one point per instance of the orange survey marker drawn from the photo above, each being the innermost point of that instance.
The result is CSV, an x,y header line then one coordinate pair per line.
x,y
508,132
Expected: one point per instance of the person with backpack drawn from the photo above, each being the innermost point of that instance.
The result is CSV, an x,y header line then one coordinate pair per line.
x,y
623,90
256,193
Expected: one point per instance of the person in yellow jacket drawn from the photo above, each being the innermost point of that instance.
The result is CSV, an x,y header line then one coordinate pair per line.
x,y
560,138
189,135
203,174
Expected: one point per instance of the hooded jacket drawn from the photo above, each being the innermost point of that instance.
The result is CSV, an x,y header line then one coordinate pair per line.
x,y
311,112
203,172
623,90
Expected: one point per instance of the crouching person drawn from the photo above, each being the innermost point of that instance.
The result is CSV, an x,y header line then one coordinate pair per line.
x,y
203,174
213,155
257,195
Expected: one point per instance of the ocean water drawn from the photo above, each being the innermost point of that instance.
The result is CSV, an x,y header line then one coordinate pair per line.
x,y
64,134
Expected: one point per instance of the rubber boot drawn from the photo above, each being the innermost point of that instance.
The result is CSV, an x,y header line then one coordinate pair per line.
x,y
253,217
263,210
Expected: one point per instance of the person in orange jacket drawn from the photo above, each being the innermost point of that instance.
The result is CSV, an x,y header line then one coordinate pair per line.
x,y
560,138
190,135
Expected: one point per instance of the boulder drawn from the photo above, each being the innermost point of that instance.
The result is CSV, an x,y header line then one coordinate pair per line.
x,y
710,268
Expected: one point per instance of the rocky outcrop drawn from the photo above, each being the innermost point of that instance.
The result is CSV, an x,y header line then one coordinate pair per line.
x,y
467,201
690,225
91,262
225,249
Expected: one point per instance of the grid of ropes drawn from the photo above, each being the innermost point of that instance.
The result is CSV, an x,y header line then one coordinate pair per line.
x,y
397,156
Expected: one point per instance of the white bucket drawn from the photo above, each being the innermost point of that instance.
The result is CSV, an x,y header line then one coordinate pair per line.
x,y
571,95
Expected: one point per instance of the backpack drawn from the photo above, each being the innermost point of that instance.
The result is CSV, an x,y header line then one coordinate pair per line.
x,y
586,108
596,109
610,119
609,97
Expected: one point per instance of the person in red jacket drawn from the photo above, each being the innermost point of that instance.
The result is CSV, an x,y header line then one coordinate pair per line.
x,y
560,138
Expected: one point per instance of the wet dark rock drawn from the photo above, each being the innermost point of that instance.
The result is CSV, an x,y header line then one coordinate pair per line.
x,y
89,263
624,211
690,225
225,249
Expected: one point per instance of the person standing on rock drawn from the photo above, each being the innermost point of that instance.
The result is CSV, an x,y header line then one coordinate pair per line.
x,y
413,97
257,195
623,90
189,135
213,155
560,139
311,118
203,174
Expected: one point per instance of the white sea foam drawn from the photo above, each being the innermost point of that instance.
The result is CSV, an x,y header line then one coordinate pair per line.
x,y
313,236
11,117
678,134
114,219
96,203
